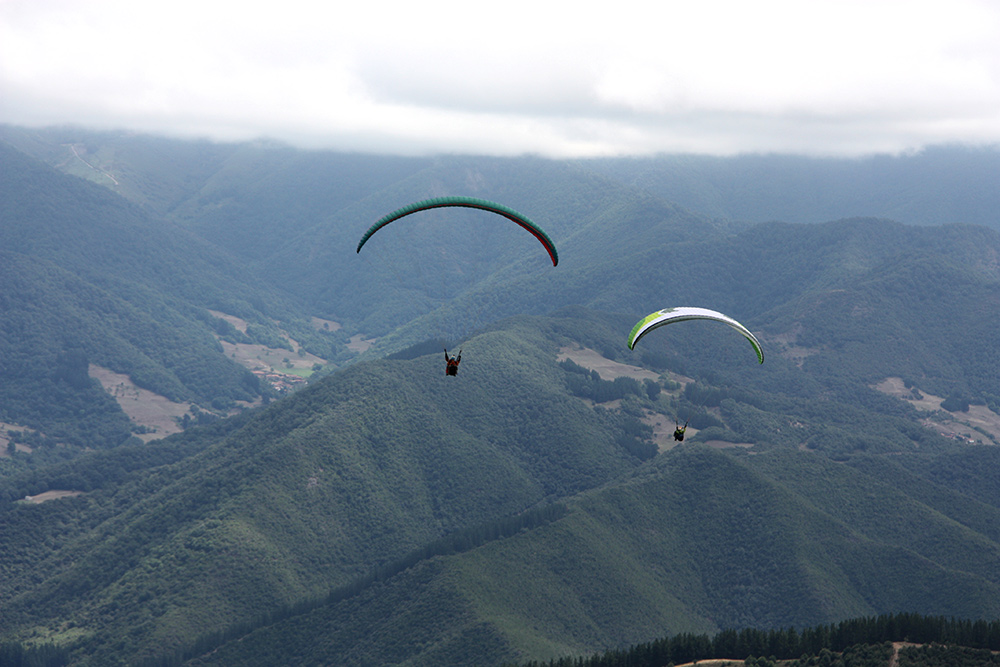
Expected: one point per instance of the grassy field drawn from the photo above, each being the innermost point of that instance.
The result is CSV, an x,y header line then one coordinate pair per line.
x,y
5,439
52,495
606,368
663,426
158,414
161,417
979,424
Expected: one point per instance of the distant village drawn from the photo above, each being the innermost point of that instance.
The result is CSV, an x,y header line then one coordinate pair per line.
x,y
281,382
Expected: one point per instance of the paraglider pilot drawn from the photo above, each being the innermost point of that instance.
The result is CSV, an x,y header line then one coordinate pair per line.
x,y
451,363
679,431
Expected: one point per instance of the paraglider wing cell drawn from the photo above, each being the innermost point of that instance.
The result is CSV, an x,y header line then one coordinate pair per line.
x,y
466,202
672,315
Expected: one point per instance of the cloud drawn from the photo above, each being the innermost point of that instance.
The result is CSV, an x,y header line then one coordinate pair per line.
x,y
550,78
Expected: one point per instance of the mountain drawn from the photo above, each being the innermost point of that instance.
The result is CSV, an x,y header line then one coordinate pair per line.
x,y
531,508
348,474
88,278
316,518
939,185
698,541
297,215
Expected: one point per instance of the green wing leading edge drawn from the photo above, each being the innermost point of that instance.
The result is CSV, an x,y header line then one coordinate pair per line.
x,y
670,315
466,202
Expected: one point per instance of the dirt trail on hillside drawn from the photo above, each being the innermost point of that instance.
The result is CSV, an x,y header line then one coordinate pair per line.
x,y
894,660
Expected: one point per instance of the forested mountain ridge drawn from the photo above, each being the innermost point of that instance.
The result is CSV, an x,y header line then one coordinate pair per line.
x,y
88,277
342,477
378,459
696,542
241,529
939,185
295,216
831,296
103,237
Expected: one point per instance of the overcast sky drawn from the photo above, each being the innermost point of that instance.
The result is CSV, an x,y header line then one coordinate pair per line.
x,y
551,78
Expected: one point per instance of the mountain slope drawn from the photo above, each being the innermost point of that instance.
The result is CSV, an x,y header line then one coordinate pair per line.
x,y
843,504
841,291
694,542
326,485
380,459
86,273
297,216
939,185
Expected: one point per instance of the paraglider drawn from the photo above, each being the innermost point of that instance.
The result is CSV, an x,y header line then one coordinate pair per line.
x,y
679,431
671,315
451,363
466,202
451,367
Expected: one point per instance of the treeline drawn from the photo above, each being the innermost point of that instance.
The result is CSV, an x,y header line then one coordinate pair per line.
x,y
633,435
938,655
106,468
13,654
457,542
589,384
792,644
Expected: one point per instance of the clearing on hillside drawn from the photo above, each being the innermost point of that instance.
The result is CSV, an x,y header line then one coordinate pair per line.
x,y
281,368
978,425
606,368
158,414
5,439
52,495
592,360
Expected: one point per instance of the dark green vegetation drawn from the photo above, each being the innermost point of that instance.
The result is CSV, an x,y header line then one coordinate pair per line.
x,y
695,543
88,278
387,514
354,463
13,654
860,642
947,656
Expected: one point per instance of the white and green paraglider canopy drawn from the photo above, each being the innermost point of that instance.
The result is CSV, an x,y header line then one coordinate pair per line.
x,y
671,315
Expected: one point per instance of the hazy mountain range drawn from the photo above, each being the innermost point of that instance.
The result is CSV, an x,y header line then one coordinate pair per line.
x,y
532,507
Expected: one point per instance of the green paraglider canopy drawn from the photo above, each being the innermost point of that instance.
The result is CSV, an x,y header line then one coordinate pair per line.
x,y
671,315
466,202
